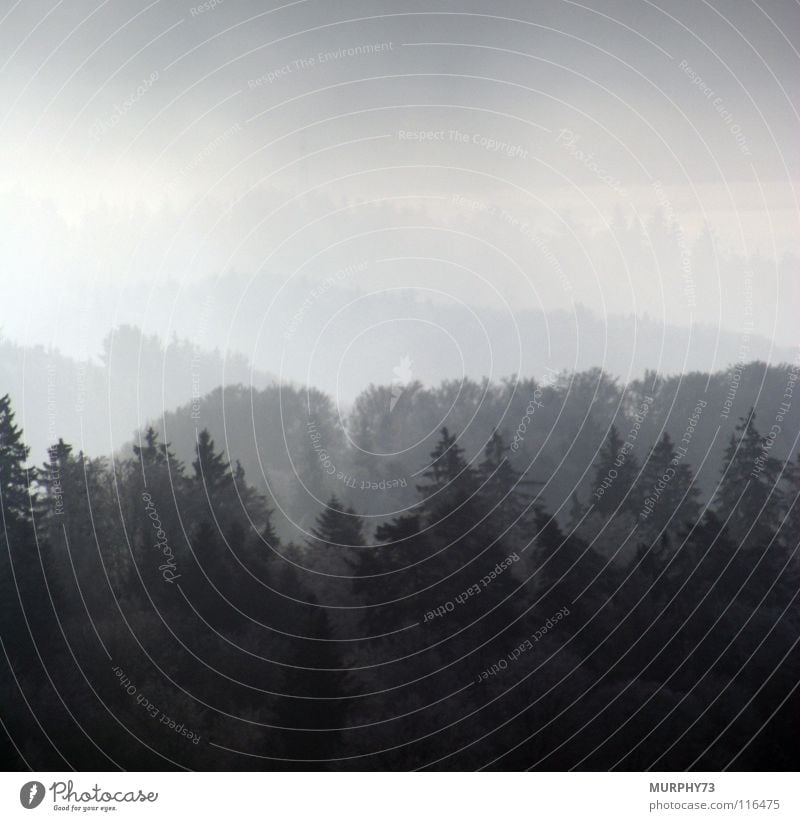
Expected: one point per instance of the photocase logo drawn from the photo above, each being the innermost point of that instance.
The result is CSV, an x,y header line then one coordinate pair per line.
x,y
31,794
400,381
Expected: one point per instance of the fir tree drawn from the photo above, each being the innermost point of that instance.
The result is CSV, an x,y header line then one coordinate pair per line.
x,y
16,496
748,497
505,494
210,467
338,526
54,478
152,453
668,498
614,476
449,493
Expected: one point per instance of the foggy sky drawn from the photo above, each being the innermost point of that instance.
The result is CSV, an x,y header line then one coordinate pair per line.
x,y
147,143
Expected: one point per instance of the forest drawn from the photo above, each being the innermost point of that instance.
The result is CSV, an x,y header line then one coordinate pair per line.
x,y
553,574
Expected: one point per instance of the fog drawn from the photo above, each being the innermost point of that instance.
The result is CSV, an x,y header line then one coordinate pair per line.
x,y
397,385
613,159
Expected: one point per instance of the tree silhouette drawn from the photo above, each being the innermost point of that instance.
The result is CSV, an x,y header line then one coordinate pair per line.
x,y
668,499
338,526
15,477
749,497
210,467
615,475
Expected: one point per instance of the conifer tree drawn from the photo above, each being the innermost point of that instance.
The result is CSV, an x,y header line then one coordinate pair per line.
x,y
55,477
615,475
667,497
224,523
508,498
439,535
15,478
749,497
152,452
76,523
20,579
450,502
338,526
210,467
448,468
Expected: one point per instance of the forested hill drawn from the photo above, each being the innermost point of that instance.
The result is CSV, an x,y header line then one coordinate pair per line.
x,y
98,403
444,618
447,339
296,445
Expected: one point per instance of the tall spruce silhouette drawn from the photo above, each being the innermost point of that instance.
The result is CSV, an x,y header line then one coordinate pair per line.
x,y
615,474
749,497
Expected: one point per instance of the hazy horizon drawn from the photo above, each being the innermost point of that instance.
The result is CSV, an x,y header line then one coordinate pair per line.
x,y
509,161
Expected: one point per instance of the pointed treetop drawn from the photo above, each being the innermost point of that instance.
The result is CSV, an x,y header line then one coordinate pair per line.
x,y
496,451
210,467
447,460
59,452
152,452
15,478
338,526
